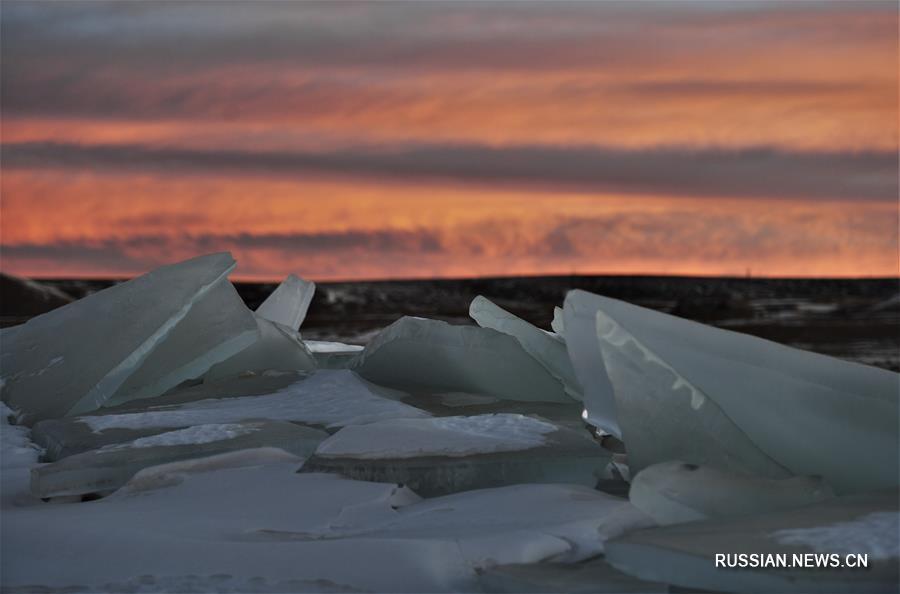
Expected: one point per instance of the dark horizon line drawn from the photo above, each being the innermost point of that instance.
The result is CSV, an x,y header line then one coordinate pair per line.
x,y
649,276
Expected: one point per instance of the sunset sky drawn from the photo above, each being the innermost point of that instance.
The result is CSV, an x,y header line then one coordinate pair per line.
x,y
411,139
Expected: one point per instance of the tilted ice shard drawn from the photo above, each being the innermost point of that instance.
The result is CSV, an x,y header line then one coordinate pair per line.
x,y
546,349
579,318
72,359
278,348
433,355
110,467
217,327
736,402
684,554
675,492
559,323
288,303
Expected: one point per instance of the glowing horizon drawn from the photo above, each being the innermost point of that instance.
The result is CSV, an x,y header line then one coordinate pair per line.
x,y
395,140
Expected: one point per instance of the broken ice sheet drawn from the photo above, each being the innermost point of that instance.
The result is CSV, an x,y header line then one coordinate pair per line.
x,y
332,355
704,395
543,346
675,492
217,327
108,468
72,359
418,353
683,554
436,456
288,303
277,348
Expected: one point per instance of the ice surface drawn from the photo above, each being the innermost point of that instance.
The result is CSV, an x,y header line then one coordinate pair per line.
x,y
109,468
441,436
452,454
683,554
278,348
266,528
217,327
675,492
514,524
546,349
704,395
876,535
288,303
331,398
17,456
579,320
594,576
72,359
431,354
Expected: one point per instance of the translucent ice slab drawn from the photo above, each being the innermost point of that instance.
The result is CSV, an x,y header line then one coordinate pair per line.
x,y
73,359
675,492
431,354
450,454
110,467
288,303
684,554
546,348
579,320
707,396
278,348
217,327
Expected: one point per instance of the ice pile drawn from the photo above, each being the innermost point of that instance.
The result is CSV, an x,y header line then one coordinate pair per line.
x,y
184,417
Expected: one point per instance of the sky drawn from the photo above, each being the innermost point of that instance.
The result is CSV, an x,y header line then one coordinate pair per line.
x,y
342,140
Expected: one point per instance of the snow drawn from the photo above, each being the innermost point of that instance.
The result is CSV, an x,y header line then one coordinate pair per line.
x,y
102,339
190,436
300,529
675,492
876,534
441,436
328,397
288,303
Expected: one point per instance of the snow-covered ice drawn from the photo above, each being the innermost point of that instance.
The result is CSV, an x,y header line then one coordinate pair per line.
x,y
876,534
440,436
675,492
192,435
